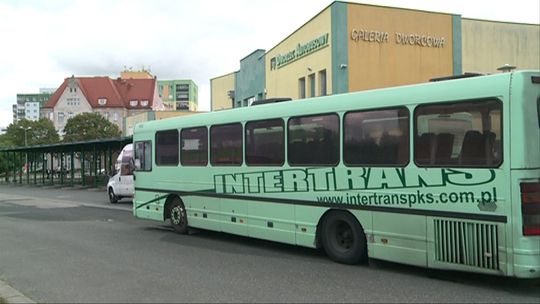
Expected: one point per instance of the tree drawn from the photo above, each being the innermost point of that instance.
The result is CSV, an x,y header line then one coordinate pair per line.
x,y
25,133
30,133
4,143
89,126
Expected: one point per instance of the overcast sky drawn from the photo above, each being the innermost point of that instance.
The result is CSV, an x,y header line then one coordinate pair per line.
x,y
43,42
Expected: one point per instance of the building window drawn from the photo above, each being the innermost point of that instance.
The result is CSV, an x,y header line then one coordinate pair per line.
x,y
60,117
322,83
302,88
144,103
102,101
115,116
133,102
182,92
182,105
311,79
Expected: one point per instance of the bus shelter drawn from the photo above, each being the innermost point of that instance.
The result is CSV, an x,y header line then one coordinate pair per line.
x,y
85,163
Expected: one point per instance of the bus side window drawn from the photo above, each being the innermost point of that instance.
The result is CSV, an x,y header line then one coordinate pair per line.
x,y
226,145
313,140
194,147
376,137
460,134
143,156
167,148
265,144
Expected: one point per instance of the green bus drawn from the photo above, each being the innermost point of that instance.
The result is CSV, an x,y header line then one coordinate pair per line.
x,y
441,175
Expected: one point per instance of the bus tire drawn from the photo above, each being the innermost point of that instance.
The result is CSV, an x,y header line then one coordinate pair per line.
x,y
113,199
343,238
178,216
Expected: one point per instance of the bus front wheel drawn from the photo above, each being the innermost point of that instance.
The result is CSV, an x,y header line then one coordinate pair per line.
x,y
343,238
178,216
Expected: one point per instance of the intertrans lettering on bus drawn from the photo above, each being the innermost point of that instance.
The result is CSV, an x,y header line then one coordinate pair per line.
x,y
339,179
345,180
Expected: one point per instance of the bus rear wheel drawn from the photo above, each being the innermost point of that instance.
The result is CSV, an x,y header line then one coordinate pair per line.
x,y
343,238
178,216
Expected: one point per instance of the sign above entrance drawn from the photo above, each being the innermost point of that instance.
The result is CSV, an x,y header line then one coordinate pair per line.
x,y
301,50
362,35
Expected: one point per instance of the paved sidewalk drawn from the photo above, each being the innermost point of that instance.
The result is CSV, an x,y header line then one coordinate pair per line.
x,y
11,295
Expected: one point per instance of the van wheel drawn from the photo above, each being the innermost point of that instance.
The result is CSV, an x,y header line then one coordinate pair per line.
x,y
178,216
112,197
343,238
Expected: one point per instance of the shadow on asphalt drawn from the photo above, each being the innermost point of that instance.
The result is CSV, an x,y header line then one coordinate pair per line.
x,y
123,202
234,244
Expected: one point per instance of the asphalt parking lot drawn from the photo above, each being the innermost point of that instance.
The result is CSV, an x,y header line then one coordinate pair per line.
x,y
62,245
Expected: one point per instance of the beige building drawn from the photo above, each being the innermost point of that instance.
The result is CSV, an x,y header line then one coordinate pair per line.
x,y
222,92
351,47
488,45
140,74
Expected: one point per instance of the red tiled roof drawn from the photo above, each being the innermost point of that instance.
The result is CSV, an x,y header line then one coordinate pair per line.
x,y
136,89
119,92
56,96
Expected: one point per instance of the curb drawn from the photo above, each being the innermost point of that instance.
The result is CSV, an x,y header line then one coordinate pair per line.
x,y
98,189
11,295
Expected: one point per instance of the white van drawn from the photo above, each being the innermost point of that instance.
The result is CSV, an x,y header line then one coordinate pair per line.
x,y
121,183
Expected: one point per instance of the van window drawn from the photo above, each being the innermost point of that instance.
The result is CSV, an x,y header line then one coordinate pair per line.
x,y
125,166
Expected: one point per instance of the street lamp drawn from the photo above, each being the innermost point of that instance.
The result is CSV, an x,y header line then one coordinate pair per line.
x,y
25,138
26,144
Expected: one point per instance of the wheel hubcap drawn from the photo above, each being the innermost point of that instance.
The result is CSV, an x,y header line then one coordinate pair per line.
x,y
177,215
343,236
